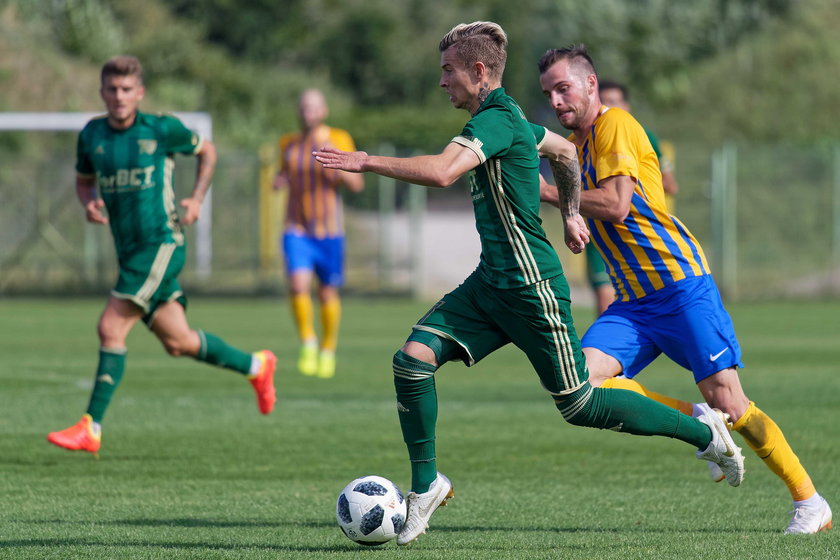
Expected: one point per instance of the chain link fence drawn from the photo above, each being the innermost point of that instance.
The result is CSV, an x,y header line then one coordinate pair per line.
x,y
768,217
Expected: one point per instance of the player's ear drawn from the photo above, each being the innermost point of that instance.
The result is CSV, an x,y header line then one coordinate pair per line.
x,y
591,84
480,70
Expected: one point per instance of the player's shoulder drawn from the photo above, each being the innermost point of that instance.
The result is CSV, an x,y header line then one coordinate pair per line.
x,y
614,116
158,119
339,134
615,121
288,138
501,109
96,123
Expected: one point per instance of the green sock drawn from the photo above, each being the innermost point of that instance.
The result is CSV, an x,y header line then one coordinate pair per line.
x,y
627,411
109,373
216,351
417,405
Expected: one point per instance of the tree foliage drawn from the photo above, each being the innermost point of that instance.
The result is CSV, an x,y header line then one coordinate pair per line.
x,y
377,60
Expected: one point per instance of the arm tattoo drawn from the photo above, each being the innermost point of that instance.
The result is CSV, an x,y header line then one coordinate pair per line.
x,y
567,177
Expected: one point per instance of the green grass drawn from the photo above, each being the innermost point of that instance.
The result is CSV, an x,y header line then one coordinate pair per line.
x,y
189,469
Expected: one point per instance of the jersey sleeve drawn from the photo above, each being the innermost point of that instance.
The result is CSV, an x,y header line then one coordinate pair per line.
x,y
539,134
488,134
177,138
84,165
618,138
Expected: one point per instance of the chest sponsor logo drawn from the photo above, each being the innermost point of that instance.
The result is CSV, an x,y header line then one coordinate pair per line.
x,y
100,150
147,146
127,179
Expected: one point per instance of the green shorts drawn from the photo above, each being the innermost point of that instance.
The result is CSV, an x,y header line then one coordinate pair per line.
x,y
596,268
481,318
149,277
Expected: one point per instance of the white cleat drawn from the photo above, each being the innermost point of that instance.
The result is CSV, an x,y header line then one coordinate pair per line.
x,y
714,471
422,506
810,518
722,449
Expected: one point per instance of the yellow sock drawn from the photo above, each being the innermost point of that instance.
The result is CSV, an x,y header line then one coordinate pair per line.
x,y
769,443
302,312
330,319
635,386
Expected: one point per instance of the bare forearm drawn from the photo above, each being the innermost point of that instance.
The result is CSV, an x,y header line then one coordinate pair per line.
x,y
419,170
86,190
205,169
611,201
567,178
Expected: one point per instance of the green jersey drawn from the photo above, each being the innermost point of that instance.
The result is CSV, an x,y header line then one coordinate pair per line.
x,y
505,190
134,175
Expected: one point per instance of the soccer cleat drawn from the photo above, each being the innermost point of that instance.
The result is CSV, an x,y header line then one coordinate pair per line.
x,y
714,471
308,360
722,449
263,381
422,506
326,364
810,518
78,437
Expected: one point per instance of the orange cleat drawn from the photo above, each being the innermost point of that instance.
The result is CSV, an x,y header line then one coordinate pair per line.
x,y
263,382
79,437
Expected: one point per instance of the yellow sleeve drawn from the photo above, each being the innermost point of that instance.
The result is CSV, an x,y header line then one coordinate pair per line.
x,y
617,145
342,140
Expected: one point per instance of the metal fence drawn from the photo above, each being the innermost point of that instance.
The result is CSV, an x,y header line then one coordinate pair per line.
x,y
768,217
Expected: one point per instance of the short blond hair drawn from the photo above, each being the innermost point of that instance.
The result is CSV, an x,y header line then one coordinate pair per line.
x,y
122,65
479,41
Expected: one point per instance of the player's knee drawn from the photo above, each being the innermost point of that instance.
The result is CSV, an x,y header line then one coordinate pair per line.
x,y
108,338
172,347
576,407
409,368
177,346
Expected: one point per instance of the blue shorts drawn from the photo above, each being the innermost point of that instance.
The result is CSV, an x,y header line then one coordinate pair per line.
x,y
686,321
324,256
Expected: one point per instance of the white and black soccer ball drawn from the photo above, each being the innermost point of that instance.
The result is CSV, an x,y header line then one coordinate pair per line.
x,y
371,510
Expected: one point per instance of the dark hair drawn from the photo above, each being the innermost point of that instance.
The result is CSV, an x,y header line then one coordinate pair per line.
x,y
479,41
575,54
123,65
609,84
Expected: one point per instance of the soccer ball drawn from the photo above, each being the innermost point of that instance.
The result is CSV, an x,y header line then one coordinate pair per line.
x,y
371,510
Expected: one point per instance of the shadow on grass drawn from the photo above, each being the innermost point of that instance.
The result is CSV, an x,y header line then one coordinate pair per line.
x,y
605,530
221,524
187,522
61,543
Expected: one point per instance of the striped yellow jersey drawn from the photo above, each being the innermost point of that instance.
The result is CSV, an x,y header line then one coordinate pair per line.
x,y
314,205
651,249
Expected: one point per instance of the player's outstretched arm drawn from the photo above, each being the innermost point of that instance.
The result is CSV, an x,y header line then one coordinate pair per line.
x,y
562,156
439,170
206,157
86,191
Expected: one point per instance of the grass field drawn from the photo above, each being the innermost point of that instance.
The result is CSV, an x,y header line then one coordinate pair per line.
x,y
189,469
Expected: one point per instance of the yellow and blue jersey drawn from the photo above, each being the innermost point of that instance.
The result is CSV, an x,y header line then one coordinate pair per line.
x,y
651,249
314,204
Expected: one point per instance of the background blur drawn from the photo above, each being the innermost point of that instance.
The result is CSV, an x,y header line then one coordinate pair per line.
x,y
743,89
